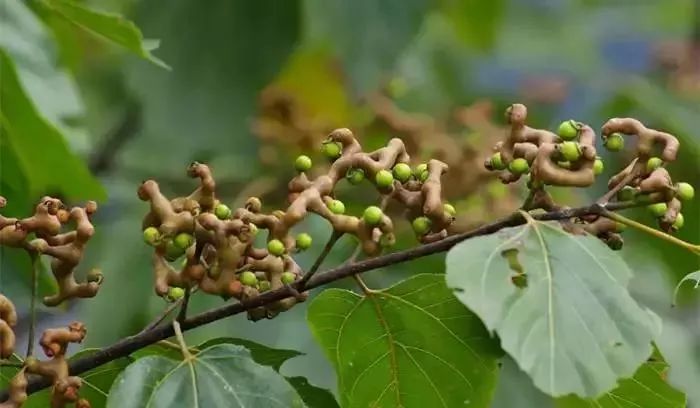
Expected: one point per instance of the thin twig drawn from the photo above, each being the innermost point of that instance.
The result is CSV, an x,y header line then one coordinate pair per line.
x,y
651,231
32,306
181,341
131,344
182,315
335,236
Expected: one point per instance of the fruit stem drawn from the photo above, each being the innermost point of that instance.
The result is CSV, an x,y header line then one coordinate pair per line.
x,y
651,231
335,236
182,315
181,341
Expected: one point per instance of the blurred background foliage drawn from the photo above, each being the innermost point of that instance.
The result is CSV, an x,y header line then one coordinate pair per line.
x,y
254,83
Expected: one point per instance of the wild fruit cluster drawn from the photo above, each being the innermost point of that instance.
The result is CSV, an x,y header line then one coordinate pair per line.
x,y
217,245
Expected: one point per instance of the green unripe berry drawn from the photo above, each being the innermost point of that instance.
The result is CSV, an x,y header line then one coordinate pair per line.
x,y
497,162
355,176
449,209
564,164
384,179
151,236
372,215
303,163
402,172
571,151
627,193
175,293
568,129
658,209
421,225
654,163
276,247
248,278
222,212
288,278
303,241
678,223
421,172
332,150
183,240
173,251
598,167
336,207
614,142
263,285
685,192
519,166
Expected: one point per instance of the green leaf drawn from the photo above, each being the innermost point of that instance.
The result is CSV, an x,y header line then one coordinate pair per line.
x,y
39,148
648,388
412,345
313,397
224,375
475,21
569,322
693,276
261,353
113,27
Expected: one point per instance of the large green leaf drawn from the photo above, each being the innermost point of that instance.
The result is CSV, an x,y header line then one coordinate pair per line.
x,y
412,345
224,375
569,321
113,27
648,388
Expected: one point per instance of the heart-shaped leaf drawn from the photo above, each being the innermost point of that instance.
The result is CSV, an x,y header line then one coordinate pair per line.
x,y
223,375
559,303
412,345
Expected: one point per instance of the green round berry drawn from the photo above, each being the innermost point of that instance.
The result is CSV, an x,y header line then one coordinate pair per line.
x,y
303,163
627,193
248,278
598,167
449,209
183,240
332,150
355,176
303,241
372,215
151,236
571,151
658,209
685,192
175,293
420,170
421,225
519,166
402,172
497,162
288,278
222,212
568,129
276,247
384,179
173,251
678,223
654,163
614,142
263,285
336,207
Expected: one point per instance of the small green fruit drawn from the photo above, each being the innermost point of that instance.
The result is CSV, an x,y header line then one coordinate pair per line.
x,y
263,285
678,223
253,229
614,142
658,209
653,164
175,293
627,193
568,129
402,172
222,212
303,163
372,215
421,225
151,236
497,162
571,151
355,176
183,240
449,209
336,207
564,164
288,278
384,179
303,241
519,166
685,192
332,150
421,172
248,278
276,247
173,251
598,167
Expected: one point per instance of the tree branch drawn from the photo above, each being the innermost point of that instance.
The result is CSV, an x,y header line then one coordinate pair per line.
x,y
136,342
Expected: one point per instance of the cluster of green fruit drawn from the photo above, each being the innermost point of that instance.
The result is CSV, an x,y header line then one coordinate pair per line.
x,y
683,191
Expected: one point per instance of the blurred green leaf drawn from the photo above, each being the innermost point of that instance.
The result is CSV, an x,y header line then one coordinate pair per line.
x,y
113,27
262,354
570,288
410,345
314,397
476,21
693,276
